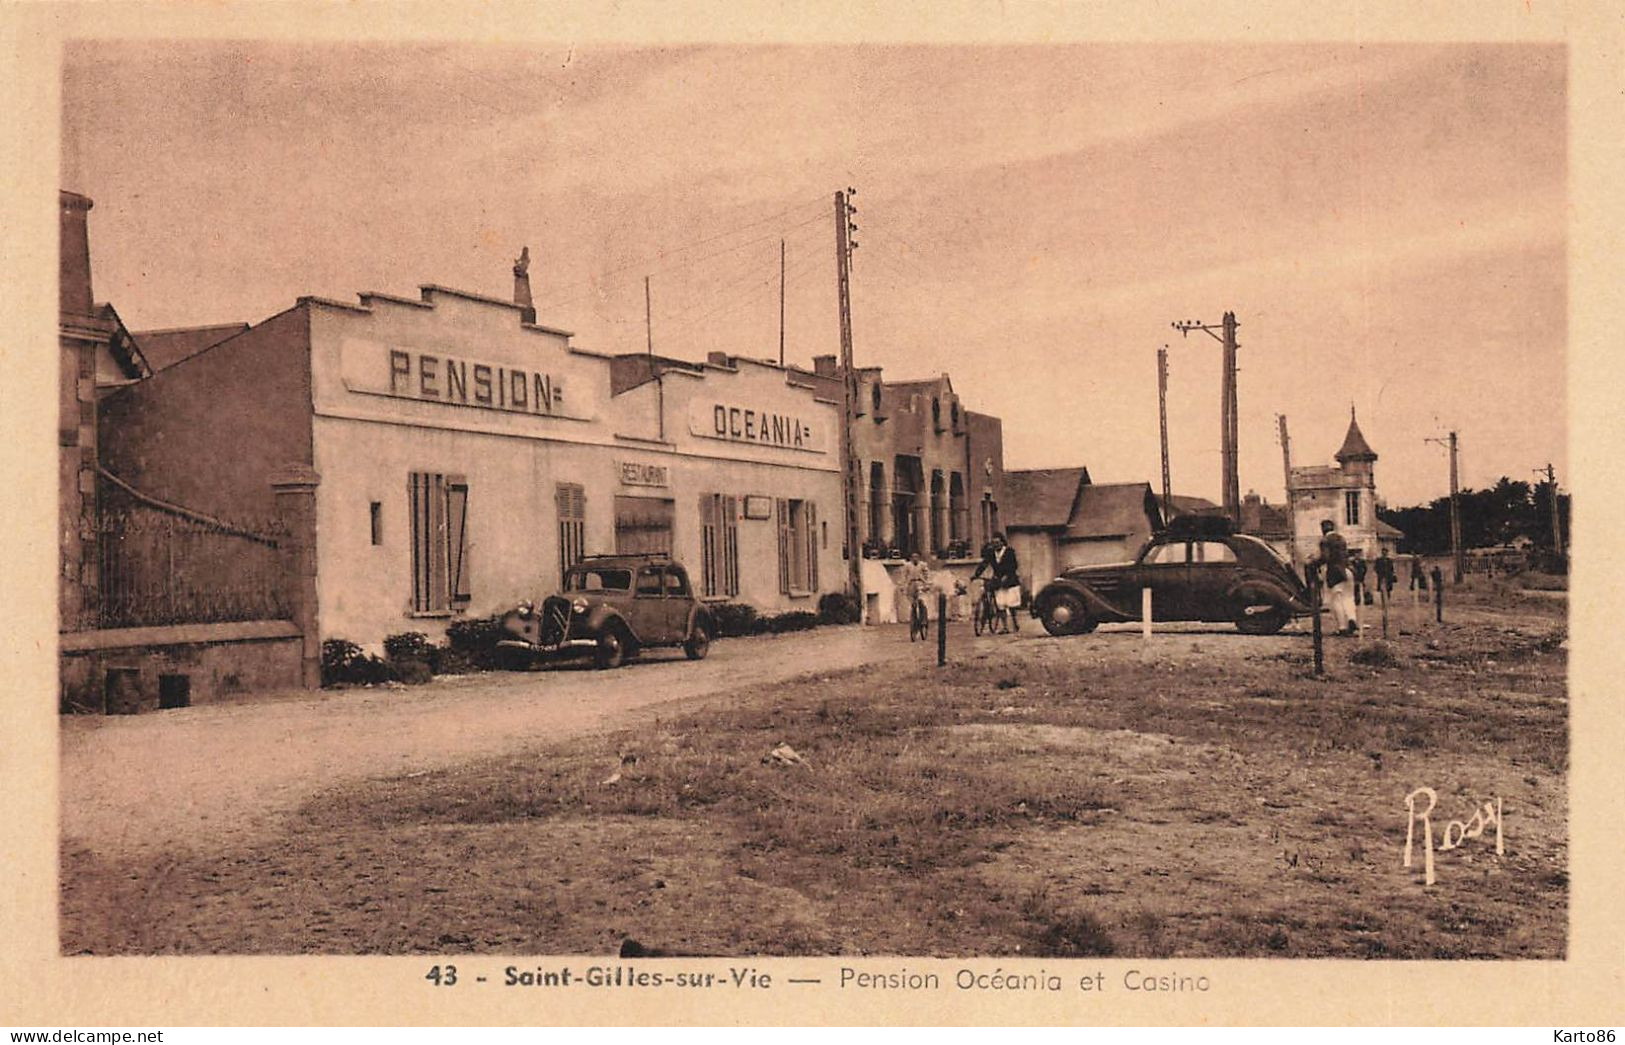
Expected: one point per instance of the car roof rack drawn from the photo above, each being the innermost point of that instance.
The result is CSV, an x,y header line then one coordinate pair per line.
x,y
661,556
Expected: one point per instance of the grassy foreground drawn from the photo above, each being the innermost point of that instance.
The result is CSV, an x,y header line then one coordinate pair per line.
x,y
1048,797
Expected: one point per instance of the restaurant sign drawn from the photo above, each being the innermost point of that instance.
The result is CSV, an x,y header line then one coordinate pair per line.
x,y
636,473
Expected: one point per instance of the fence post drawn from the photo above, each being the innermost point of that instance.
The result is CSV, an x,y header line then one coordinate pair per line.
x,y
295,489
942,628
1145,612
1320,655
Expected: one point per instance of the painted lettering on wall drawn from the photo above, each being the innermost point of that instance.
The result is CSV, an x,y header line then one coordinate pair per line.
x,y
447,379
758,425
636,473
1456,832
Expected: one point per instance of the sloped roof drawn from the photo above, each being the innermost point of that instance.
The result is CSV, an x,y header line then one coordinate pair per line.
x,y
1386,530
165,348
1041,498
126,351
1180,504
1355,448
1272,521
1113,510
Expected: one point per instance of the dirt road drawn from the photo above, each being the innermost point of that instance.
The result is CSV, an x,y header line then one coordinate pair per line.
x,y
203,777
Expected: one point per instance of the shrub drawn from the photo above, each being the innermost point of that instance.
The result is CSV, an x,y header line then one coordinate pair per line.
x,y
734,619
346,664
473,642
837,607
412,657
795,620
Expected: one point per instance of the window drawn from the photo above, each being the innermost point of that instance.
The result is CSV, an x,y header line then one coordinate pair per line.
x,y
874,398
1166,555
958,514
936,413
598,580
1212,551
1351,508
572,506
643,525
939,513
440,573
877,501
649,581
798,546
719,545
376,514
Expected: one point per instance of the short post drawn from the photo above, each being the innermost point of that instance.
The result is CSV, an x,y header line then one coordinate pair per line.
x,y
942,628
1320,656
1145,612
1438,594
1382,594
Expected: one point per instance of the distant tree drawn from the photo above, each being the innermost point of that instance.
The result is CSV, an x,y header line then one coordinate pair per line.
x,y
1489,518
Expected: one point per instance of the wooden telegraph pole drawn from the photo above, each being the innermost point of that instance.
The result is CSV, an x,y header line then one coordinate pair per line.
x,y
1557,522
1457,557
1286,468
844,227
1229,426
781,302
1162,420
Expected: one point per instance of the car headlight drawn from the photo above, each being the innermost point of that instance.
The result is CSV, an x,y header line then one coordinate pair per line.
x,y
525,609
579,606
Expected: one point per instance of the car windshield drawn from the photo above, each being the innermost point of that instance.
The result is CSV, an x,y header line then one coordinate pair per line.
x,y
598,579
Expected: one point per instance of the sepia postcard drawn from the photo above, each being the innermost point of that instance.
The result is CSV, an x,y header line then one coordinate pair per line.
x,y
980,513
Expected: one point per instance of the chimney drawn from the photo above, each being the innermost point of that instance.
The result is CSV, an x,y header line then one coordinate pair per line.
x,y
76,295
824,366
521,285
716,358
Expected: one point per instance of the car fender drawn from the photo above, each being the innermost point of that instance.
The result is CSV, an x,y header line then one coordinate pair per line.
x,y
700,615
1254,589
604,617
1097,605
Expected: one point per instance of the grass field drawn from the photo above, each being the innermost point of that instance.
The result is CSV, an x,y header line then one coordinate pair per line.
x,y
1068,797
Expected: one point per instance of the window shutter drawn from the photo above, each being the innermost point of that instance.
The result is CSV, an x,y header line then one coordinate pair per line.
x,y
812,546
783,510
730,545
460,584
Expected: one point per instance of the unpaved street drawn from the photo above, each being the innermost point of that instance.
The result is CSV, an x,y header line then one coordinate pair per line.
x,y
208,776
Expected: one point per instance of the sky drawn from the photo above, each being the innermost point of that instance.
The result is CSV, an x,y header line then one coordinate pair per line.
x,y
1387,221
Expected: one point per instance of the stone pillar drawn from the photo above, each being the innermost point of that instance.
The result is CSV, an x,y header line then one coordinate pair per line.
x,y
295,490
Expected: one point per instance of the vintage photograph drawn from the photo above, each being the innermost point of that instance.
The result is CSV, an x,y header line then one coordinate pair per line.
x,y
1071,500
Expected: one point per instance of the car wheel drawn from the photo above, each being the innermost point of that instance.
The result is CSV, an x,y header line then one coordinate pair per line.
x,y
1259,618
1065,615
699,642
611,652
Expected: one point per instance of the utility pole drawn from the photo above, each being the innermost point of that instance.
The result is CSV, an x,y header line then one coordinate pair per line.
x,y
1557,522
1286,466
844,245
1457,558
654,367
1229,425
1162,420
781,302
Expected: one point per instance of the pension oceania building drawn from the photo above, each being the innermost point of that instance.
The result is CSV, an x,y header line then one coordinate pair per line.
x,y
456,457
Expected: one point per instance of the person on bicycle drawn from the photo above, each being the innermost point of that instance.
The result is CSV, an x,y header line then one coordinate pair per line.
x,y
915,580
999,560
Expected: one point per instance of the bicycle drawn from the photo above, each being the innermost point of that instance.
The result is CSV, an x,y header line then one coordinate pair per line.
x,y
986,617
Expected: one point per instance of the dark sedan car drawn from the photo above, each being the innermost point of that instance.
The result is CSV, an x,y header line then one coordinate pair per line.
x,y
1196,570
612,606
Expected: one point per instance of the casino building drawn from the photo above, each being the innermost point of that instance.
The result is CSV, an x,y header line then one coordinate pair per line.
x,y
456,456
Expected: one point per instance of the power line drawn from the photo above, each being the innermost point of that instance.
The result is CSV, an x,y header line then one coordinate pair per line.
x,y
643,266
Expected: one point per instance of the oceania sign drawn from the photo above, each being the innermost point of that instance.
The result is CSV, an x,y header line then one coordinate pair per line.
x,y
439,378
742,424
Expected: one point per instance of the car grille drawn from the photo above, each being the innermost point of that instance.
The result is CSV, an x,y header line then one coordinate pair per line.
x,y
555,621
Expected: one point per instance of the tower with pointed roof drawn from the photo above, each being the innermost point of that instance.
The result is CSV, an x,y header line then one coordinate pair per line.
x,y
1345,494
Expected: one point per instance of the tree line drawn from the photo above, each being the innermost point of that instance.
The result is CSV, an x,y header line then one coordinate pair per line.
x,y
1495,517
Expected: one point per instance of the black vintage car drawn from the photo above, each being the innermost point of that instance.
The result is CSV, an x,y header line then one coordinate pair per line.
x,y
1197,570
612,607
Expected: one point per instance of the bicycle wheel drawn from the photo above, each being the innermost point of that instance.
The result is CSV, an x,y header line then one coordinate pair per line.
x,y
919,624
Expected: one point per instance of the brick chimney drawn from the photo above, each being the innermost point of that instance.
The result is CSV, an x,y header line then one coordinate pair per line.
x,y
824,366
76,296
521,285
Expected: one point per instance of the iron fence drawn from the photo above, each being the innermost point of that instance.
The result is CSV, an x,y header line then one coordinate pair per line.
x,y
158,567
